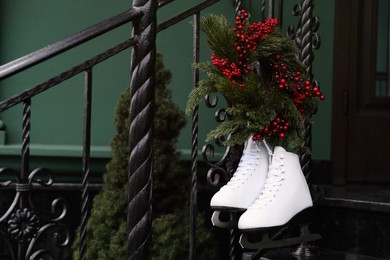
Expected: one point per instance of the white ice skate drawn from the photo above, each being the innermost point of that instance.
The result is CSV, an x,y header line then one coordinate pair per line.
x,y
285,193
285,196
245,185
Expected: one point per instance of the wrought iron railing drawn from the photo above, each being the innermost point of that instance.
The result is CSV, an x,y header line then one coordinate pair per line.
x,y
24,224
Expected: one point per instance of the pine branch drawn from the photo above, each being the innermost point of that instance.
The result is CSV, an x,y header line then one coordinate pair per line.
x,y
226,128
204,87
219,35
251,81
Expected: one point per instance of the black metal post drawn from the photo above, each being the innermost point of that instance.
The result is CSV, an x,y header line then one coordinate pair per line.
x,y
86,158
262,9
194,151
139,210
306,56
271,7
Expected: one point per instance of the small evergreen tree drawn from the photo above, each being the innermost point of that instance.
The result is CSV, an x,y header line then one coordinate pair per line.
x,y
107,224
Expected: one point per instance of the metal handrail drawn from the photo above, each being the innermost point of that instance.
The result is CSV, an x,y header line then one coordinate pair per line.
x,y
59,47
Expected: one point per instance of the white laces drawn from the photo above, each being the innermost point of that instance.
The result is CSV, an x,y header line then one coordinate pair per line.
x,y
246,167
270,154
276,174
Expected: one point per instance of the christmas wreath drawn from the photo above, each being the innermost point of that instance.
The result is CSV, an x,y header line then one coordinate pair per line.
x,y
255,67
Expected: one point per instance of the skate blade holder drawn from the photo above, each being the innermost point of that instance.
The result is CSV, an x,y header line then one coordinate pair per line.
x,y
225,219
250,240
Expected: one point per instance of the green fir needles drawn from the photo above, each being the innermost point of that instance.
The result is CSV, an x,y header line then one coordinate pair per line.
x,y
255,67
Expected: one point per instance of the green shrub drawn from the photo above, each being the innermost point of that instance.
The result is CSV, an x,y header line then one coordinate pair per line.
x,y
106,236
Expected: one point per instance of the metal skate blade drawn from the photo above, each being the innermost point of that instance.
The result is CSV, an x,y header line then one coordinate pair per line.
x,y
266,242
225,219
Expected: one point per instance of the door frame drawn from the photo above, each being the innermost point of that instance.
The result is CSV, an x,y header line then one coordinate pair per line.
x,y
353,68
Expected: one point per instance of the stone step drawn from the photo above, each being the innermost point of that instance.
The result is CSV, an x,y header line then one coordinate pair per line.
x,y
316,253
355,219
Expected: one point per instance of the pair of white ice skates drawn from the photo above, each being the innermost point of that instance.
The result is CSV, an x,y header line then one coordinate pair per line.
x,y
268,186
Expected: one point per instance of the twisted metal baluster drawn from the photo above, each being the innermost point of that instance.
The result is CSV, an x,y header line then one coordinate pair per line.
x,y
307,39
139,211
194,151
262,9
22,186
306,56
86,157
271,8
237,4
235,251
25,145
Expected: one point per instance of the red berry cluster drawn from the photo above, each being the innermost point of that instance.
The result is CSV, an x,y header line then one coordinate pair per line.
x,y
277,128
247,38
229,70
299,88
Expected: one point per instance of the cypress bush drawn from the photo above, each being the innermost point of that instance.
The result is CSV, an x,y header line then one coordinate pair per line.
x,y
106,236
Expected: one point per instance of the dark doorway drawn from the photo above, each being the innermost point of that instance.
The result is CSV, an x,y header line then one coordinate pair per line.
x,y
361,93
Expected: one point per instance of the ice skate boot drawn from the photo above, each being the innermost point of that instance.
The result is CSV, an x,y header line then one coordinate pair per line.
x,y
244,186
285,198
285,193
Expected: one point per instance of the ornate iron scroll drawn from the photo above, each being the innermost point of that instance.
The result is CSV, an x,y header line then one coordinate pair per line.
x,y
223,169
139,211
23,225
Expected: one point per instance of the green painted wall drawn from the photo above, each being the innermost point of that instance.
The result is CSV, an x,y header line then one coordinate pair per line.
x,y
26,26
56,134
